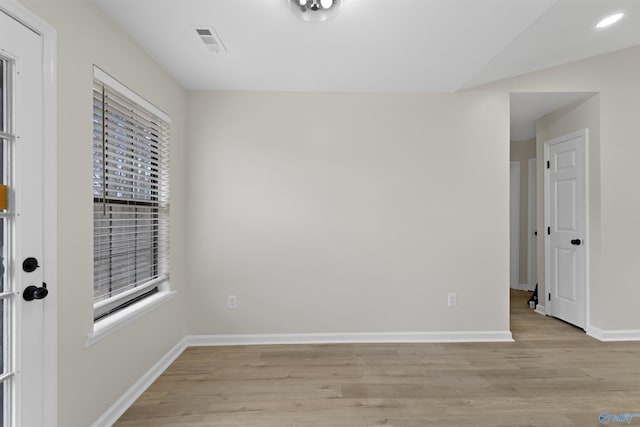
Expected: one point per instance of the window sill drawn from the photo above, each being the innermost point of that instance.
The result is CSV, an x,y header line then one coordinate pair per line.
x,y
112,323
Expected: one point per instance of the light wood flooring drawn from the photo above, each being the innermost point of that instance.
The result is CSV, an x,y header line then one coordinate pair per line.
x,y
552,375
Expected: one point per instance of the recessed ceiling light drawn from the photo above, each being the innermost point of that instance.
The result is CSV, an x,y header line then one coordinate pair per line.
x,y
610,20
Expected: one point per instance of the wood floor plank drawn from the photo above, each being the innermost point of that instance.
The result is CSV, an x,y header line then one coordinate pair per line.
x,y
552,375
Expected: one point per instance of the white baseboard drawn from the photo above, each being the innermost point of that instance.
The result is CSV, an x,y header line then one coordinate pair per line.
x,y
541,309
614,335
126,400
349,338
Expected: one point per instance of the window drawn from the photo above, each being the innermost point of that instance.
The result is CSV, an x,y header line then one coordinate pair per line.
x,y
130,197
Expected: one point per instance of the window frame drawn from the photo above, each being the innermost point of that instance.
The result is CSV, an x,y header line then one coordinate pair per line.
x,y
122,307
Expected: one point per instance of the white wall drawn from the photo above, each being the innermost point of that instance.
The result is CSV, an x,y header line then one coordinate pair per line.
x,y
614,199
91,379
347,212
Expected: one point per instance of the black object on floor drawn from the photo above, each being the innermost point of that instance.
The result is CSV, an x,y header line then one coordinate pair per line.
x,y
534,297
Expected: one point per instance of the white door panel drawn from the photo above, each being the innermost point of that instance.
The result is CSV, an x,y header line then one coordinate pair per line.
x,y
565,263
565,201
566,220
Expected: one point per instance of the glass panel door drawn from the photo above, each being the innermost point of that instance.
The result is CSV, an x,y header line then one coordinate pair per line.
x,y
7,297
22,264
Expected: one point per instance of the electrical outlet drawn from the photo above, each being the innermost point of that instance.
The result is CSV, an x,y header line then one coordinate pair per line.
x,y
232,302
452,300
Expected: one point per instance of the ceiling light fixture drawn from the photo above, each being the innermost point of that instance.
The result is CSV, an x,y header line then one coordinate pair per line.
x,y
315,10
610,20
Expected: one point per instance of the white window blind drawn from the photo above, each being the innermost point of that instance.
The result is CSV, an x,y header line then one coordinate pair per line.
x,y
130,198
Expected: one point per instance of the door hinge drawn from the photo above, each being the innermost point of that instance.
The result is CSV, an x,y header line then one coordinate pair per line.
x,y
549,296
548,164
549,230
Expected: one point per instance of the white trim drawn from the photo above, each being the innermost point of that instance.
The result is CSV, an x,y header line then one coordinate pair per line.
x,y
51,225
117,320
26,17
514,224
540,309
124,90
135,391
105,306
532,223
349,338
545,224
614,335
50,174
587,234
596,333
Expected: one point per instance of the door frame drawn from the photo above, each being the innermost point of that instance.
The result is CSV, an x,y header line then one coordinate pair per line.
x,y
50,198
514,224
584,133
532,223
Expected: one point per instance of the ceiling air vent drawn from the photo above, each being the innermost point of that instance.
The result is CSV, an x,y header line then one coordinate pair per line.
x,y
210,39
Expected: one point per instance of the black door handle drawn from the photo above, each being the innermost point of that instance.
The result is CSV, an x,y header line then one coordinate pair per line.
x,y
576,242
30,264
33,292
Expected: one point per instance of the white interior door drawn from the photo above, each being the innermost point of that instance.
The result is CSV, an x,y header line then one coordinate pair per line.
x,y
566,221
514,226
23,292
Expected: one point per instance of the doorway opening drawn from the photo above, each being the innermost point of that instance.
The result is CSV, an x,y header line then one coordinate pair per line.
x,y
536,118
